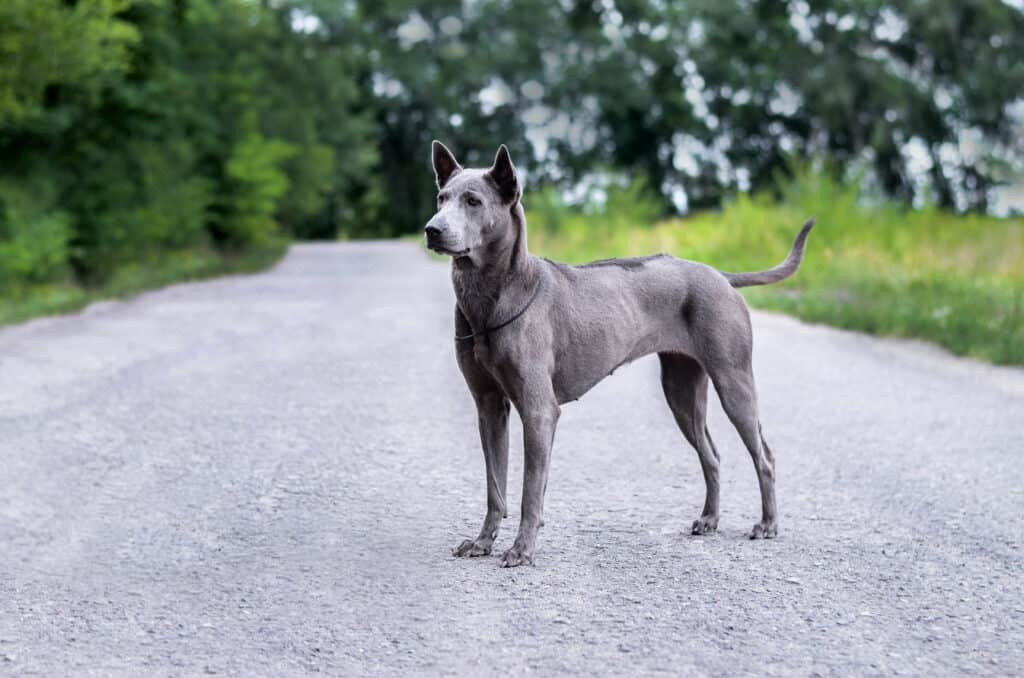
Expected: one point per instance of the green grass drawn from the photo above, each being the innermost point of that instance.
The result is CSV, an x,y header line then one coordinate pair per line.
x,y
24,303
879,268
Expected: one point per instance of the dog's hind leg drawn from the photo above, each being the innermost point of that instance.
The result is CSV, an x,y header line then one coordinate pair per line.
x,y
685,384
735,386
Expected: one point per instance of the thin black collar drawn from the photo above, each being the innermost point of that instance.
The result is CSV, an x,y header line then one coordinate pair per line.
x,y
488,330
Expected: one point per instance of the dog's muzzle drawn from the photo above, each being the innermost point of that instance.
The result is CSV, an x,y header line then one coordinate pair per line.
x,y
437,237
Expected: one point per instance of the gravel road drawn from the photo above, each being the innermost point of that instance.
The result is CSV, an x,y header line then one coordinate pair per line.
x,y
264,475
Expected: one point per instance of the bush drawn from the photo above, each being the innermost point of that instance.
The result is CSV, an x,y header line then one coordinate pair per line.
x,y
133,199
255,184
34,233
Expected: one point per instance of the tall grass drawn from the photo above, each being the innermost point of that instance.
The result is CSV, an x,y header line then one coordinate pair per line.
x,y
870,266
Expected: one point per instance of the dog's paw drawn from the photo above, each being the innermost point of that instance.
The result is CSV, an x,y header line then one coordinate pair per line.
x,y
471,549
705,525
764,530
515,557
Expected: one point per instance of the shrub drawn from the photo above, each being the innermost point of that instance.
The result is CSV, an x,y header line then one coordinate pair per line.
x,y
134,199
255,184
34,233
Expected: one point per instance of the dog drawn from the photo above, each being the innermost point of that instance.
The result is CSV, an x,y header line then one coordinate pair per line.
x,y
536,334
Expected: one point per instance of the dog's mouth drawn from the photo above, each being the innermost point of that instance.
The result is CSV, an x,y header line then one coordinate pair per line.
x,y
441,249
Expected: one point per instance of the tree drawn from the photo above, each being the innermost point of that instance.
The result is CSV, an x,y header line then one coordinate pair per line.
x,y
49,43
158,125
720,94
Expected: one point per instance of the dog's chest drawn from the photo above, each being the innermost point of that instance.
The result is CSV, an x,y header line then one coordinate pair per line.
x,y
482,352
492,355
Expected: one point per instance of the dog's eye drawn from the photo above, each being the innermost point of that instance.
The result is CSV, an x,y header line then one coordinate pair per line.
x,y
472,202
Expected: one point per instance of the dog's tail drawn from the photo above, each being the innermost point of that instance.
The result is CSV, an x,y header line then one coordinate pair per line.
x,y
780,272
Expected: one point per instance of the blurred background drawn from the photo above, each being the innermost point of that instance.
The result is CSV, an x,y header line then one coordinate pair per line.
x,y
147,141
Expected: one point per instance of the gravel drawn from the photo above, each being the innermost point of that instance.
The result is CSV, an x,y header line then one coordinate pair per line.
x,y
264,475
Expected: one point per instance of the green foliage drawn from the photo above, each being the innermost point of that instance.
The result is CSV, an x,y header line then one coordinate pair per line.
x,y
611,216
704,96
870,266
34,233
44,43
191,264
310,171
147,131
255,185
143,130
140,197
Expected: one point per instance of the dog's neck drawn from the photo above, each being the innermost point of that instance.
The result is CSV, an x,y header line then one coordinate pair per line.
x,y
499,281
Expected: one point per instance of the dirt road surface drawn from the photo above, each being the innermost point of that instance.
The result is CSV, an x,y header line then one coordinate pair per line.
x,y
264,475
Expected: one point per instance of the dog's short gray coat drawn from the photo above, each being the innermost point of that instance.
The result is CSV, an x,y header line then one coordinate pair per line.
x,y
582,323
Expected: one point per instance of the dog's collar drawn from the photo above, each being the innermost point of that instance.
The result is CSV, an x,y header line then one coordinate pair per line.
x,y
488,330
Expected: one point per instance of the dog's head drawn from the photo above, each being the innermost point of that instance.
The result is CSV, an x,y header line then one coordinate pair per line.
x,y
475,207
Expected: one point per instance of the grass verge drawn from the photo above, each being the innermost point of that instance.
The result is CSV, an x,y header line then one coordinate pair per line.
x,y
24,303
880,268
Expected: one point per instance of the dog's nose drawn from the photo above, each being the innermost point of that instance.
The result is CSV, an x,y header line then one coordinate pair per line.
x,y
435,227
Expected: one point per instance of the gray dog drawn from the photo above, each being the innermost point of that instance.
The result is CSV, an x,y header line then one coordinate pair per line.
x,y
538,334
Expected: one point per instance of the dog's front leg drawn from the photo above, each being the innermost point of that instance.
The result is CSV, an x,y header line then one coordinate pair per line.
x,y
492,411
540,417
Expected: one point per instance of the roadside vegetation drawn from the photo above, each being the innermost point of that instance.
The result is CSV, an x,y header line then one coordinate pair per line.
x,y
872,266
145,141
24,302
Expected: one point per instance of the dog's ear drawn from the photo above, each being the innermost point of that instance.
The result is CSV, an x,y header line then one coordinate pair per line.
x,y
445,164
503,174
